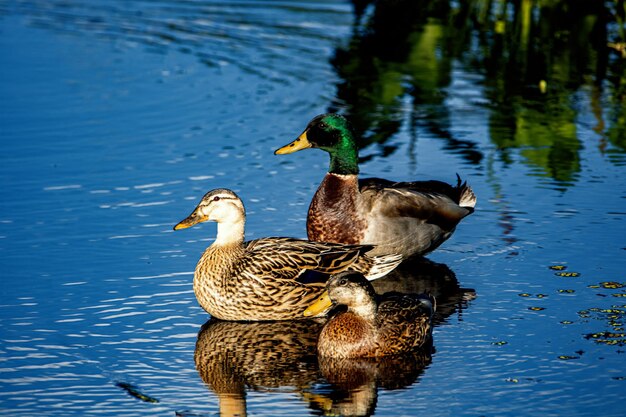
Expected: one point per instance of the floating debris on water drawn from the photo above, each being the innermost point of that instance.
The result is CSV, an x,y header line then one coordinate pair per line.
x,y
614,317
187,413
608,338
568,291
525,294
500,343
619,378
134,392
609,310
566,322
536,308
558,267
567,274
517,380
612,285
568,357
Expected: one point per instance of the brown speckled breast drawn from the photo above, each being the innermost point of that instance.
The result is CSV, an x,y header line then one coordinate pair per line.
x,y
333,213
347,336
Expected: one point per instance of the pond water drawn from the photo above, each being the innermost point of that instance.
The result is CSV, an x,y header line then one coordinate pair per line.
x,y
117,116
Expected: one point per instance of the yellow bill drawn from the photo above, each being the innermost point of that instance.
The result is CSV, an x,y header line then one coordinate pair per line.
x,y
194,218
319,307
297,145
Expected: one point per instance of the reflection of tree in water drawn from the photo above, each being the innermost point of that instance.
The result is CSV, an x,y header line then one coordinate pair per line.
x,y
535,57
233,358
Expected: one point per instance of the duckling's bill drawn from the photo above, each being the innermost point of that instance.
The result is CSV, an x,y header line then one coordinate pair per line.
x,y
319,307
192,219
302,142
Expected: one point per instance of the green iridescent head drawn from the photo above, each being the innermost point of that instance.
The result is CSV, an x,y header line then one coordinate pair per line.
x,y
331,133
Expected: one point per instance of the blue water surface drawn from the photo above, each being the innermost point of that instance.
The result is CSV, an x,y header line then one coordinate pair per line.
x,y
117,116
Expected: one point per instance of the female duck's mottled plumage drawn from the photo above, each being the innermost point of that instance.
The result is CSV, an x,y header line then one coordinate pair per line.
x,y
266,279
394,324
410,218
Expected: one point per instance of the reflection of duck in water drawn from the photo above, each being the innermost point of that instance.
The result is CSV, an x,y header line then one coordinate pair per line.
x,y
390,325
421,275
410,218
355,382
232,357
264,279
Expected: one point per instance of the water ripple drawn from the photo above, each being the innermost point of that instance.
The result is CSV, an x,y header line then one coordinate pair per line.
x,y
244,34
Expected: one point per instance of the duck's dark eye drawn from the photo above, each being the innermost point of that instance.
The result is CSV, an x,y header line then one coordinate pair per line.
x,y
322,125
343,281
216,198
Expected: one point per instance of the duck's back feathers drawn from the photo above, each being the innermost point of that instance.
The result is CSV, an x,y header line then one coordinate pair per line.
x,y
295,254
412,217
421,195
267,255
404,321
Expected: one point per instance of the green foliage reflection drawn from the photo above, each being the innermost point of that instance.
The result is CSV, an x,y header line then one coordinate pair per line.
x,y
538,60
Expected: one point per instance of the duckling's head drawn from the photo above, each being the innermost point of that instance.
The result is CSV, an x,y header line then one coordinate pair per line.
x,y
353,290
221,205
331,133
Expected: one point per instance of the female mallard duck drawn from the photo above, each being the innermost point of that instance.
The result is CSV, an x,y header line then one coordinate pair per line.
x,y
409,218
397,323
264,279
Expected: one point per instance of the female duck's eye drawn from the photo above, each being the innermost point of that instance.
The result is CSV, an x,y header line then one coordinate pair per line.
x,y
216,198
343,281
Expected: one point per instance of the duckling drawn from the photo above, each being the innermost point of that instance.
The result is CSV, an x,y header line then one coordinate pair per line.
x,y
409,218
395,324
267,278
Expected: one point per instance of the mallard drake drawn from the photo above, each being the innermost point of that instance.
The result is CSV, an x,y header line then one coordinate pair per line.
x,y
410,218
266,279
395,324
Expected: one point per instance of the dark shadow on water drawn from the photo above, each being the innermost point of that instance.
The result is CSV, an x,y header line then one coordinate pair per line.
x,y
233,358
